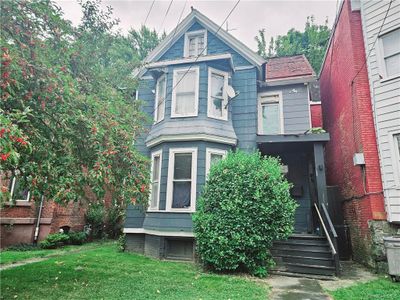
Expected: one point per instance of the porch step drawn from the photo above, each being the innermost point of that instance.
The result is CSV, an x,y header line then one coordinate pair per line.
x,y
304,254
310,276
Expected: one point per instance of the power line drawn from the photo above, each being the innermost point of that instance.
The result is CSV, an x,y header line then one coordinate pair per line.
x,y
148,13
165,16
197,57
373,45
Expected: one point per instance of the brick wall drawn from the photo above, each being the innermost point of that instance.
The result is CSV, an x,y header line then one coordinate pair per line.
x,y
347,116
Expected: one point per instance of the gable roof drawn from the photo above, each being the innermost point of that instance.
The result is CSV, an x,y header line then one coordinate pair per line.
x,y
288,67
182,27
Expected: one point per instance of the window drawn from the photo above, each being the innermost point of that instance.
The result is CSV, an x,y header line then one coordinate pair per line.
x,y
195,43
213,156
217,97
17,192
270,113
390,53
156,159
160,99
396,157
182,170
185,96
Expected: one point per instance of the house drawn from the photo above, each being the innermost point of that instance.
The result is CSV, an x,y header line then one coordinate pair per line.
x,y
360,92
207,93
24,221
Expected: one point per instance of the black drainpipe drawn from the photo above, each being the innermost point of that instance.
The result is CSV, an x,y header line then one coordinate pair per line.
x,y
35,239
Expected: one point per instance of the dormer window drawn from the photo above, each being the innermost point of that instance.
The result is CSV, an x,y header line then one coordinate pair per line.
x,y
195,43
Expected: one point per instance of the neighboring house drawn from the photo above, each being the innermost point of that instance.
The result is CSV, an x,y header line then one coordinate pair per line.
x,y
360,92
19,217
207,94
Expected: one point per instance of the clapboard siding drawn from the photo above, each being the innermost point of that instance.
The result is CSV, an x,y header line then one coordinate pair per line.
x,y
385,97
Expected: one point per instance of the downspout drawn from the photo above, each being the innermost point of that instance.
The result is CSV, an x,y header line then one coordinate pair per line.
x,y
35,239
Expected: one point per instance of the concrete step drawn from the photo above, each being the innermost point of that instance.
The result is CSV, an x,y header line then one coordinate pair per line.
x,y
313,261
310,276
300,252
310,269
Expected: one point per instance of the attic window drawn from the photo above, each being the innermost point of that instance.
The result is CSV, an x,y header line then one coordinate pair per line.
x,y
195,43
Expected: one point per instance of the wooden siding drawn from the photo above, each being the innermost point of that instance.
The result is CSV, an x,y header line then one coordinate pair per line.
x,y
385,96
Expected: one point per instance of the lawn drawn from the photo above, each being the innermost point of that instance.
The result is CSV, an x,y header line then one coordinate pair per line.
x,y
382,289
105,273
13,256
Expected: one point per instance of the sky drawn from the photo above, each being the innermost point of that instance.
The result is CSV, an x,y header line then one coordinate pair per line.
x,y
277,17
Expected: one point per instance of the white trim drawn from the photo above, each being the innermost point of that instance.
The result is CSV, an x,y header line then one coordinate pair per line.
x,y
381,57
285,81
196,91
315,103
209,152
259,114
162,106
240,68
191,137
190,34
153,155
212,27
158,232
188,60
12,192
224,94
395,155
171,165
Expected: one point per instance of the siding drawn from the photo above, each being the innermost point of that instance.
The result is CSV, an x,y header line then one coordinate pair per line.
x,y
385,96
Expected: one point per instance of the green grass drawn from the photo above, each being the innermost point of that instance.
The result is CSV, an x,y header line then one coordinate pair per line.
x,y
12,256
382,289
105,273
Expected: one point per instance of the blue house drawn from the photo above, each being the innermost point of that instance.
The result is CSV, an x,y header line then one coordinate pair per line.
x,y
208,93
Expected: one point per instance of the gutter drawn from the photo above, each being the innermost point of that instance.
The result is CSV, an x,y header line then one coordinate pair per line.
x,y
37,228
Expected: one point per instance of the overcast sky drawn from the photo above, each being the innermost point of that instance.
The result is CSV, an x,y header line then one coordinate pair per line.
x,y
277,17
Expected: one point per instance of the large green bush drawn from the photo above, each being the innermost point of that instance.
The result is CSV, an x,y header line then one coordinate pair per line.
x,y
244,207
54,240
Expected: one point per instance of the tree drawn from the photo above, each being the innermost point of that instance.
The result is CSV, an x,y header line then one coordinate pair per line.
x,y
144,40
245,206
68,119
312,43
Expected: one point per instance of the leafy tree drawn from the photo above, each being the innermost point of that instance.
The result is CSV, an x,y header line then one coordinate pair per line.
x,y
261,43
312,42
144,40
68,120
244,207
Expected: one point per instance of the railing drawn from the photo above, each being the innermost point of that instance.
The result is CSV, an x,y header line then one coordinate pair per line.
x,y
330,233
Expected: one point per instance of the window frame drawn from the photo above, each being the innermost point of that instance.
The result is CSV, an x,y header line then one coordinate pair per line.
x,y
209,152
225,96
13,181
196,91
170,186
381,57
191,34
156,107
395,153
259,106
153,155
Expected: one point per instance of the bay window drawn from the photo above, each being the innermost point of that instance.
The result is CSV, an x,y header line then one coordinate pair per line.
x,y
270,113
185,96
217,96
182,172
213,156
156,159
160,99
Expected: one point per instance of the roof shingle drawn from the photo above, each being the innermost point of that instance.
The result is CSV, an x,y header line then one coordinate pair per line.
x,y
288,67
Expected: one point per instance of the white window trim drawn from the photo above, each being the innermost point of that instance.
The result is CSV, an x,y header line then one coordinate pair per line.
x,y
209,152
225,95
259,130
162,106
396,156
196,98
12,192
171,163
381,58
194,33
153,155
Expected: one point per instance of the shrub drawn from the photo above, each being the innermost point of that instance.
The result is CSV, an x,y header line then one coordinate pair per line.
x,y
77,238
22,247
95,217
244,207
54,240
114,224
122,243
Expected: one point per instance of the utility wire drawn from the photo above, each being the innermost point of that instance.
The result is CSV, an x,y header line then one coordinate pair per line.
x,y
197,57
166,14
373,45
148,13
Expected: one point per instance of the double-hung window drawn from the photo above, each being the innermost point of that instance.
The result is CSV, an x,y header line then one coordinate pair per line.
x,y
195,43
17,192
185,96
390,53
182,172
270,113
156,159
160,99
217,96
213,156
396,157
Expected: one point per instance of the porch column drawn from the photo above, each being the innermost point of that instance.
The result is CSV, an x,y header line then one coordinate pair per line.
x,y
320,173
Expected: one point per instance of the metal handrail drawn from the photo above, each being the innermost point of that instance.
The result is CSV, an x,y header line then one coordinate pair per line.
x,y
325,230
332,228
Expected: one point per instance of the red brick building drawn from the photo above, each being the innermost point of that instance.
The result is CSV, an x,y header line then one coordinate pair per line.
x,y
352,158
